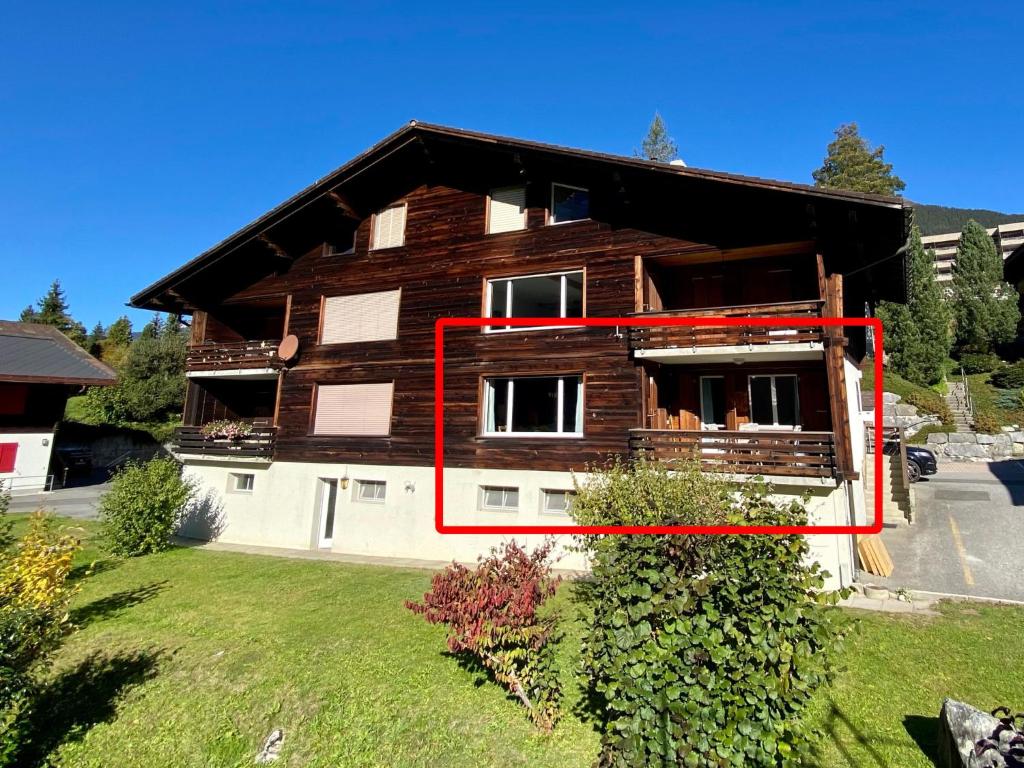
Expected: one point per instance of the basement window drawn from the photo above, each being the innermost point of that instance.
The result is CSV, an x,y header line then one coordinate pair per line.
x,y
371,490
499,499
534,406
556,502
239,482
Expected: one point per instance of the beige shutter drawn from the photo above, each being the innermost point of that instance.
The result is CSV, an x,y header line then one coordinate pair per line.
x,y
363,317
353,409
389,227
507,210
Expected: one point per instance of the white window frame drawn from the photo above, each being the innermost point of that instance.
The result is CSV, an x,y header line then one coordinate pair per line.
x,y
505,490
552,221
706,424
544,500
560,415
490,202
357,491
235,477
563,289
373,227
775,399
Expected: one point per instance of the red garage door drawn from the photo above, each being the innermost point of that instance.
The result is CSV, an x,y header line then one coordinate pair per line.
x,y
8,453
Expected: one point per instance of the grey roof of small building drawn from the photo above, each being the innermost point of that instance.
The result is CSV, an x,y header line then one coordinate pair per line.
x,y
35,353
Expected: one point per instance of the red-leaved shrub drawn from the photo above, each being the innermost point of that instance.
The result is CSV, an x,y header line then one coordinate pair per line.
x,y
491,613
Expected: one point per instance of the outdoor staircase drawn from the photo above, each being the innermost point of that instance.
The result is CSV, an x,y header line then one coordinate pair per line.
x,y
897,508
957,400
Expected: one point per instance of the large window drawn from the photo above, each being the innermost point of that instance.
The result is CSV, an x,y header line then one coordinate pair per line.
x,y
774,401
506,211
389,227
534,406
362,317
569,203
554,295
353,409
712,402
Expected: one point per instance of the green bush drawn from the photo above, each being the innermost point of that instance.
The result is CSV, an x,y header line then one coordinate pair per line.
x,y
979,362
144,506
986,421
34,597
928,401
1009,376
703,650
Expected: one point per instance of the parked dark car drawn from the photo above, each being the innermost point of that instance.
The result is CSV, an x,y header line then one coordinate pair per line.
x,y
920,461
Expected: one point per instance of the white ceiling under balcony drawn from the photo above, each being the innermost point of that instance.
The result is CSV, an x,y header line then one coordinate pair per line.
x,y
739,354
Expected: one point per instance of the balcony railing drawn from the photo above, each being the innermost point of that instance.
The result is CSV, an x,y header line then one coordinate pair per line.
x,y
688,336
259,444
796,454
228,355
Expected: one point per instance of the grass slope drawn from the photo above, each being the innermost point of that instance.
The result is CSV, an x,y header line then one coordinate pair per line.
x,y
192,657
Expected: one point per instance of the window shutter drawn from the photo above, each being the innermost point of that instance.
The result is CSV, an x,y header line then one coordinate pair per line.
x,y
363,317
8,456
353,409
389,227
507,210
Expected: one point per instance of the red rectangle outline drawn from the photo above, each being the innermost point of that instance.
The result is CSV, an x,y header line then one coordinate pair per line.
x,y
606,322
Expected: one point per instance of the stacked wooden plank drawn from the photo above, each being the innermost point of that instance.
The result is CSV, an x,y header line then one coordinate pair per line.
x,y
873,555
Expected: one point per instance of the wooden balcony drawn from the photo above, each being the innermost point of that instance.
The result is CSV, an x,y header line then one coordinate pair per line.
x,y
233,355
693,336
792,454
257,445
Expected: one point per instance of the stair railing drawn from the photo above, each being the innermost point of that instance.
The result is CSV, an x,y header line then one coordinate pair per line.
x,y
966,401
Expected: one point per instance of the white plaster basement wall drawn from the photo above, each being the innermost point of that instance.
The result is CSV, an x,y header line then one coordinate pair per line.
x,y
282,510
31,463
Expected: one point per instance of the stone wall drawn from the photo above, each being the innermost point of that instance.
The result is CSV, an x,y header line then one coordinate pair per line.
x,y
974,446
899,414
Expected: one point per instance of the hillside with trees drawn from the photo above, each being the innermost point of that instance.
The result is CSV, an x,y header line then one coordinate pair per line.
x,y
939,219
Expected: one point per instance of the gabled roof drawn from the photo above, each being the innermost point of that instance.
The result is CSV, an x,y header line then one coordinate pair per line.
x,y
41,354
416,132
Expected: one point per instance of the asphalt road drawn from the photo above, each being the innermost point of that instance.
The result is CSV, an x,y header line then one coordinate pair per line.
x,y
969,535
78,502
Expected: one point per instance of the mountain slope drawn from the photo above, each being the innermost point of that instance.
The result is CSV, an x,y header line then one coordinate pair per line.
x,y
939,219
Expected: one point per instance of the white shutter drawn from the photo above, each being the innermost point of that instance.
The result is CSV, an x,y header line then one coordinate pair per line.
x,y
363,317
389,227
507,210
353,409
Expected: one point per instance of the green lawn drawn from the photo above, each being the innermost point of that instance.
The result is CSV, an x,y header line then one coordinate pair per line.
x,y
190,658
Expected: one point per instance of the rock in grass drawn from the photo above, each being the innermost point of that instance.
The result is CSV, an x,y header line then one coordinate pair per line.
x,y
961,726
271,747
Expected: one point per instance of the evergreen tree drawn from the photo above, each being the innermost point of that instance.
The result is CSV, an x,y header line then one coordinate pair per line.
x,y
120,332
852,164
152,329
917,335
94,341
172,326
984,305
54,310
658,145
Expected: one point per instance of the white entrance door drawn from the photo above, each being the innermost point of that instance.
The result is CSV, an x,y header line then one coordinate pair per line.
x,y
328,504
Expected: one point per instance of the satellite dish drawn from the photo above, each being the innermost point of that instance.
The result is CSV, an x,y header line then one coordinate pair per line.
x,y
288,348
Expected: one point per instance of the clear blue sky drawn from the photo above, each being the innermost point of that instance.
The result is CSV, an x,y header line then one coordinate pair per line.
x,y
135,135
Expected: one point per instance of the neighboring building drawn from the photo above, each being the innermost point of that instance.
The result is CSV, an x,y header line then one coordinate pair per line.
x,y
40,368
1007,238
436,222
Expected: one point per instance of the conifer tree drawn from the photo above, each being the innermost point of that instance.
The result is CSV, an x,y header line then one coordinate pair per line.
x,y
852,164
917,335
658,145
53,310
984,305
94,341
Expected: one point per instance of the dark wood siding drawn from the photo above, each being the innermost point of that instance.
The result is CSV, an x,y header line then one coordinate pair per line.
x,y
442,269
